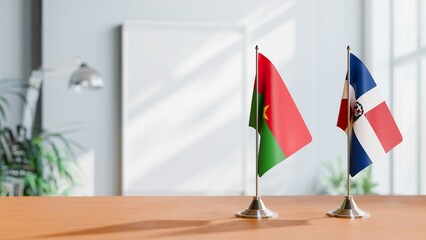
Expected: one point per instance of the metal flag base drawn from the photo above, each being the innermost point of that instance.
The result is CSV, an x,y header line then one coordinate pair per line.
x,y
349,209
257,209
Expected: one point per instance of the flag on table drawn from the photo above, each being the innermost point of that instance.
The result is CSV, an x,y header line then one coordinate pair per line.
x,y
281,127
374,131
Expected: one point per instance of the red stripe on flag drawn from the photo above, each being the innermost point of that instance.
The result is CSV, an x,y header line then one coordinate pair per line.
x,y
284,119
342,119
384,126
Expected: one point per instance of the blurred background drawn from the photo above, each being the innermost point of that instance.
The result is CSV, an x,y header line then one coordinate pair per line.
x,y
173,79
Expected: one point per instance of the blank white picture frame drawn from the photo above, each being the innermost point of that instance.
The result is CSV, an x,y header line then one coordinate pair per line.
x,y
183,110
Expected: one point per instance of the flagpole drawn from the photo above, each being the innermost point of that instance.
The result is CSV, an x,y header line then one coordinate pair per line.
x,y
348,181
257,121
348,208
257,208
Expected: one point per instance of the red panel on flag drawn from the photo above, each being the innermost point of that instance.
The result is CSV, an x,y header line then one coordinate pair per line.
x,y
285,121
384,126
342,120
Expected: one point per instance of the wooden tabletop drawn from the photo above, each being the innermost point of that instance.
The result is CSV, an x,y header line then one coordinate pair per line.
x,y
301,217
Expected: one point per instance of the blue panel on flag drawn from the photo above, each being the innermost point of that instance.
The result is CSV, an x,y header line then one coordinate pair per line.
x,y
359,158
361,79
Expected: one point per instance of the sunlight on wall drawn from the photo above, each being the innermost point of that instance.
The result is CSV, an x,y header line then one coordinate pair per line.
x,y
397,60
405,33
187,132
405,113
266,12
283,39
214,45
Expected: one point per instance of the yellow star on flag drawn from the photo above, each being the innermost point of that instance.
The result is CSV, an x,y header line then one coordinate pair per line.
x,y
264,112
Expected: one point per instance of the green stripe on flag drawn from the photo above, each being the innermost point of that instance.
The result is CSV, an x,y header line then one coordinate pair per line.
x,y
270,153
252,120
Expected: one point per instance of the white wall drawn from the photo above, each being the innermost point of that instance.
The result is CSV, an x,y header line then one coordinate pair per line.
x,y
305,39
15,47
395,54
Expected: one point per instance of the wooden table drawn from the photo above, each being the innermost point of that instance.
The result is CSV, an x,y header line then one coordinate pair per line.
x,y
392,217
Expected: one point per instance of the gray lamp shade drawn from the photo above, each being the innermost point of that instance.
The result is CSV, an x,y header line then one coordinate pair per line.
x,y
86,77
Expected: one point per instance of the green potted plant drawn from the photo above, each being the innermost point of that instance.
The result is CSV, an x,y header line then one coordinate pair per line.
x,y
333,181
41,164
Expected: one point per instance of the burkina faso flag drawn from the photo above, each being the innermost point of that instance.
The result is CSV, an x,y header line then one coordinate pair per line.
x,y
281,127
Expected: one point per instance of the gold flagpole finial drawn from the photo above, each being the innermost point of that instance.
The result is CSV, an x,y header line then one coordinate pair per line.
x,y
348,48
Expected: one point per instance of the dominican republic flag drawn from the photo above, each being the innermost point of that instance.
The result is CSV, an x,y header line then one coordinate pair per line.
x,y
374,131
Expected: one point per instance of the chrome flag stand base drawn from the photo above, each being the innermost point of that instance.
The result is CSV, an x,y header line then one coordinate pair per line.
x,y
349,209
257,209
